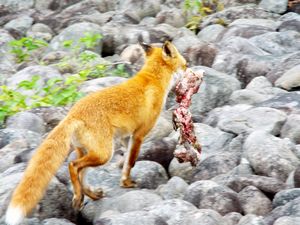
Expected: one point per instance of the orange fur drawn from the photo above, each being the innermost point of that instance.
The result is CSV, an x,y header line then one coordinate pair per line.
x,y
128,109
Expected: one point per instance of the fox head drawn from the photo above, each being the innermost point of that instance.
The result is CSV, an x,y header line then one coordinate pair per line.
x,y
167,54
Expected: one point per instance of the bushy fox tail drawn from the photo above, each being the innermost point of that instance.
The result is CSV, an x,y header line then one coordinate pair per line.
x,y
41,168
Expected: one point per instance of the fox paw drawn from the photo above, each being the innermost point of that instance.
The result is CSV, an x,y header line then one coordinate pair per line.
x,y
94,194
128,183
77,202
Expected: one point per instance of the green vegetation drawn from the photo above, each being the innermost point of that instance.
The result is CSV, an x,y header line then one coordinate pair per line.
x,y
56,91
198,9
24,48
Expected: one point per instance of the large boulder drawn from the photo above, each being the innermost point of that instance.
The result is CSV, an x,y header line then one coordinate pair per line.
x,y
284,63
26,120
207,194
290,79
254,201
278,43
260,118
149,174
174,188
279,6
214,91
285,196
215,165
269,155
290,129
230,14
75,32
292,208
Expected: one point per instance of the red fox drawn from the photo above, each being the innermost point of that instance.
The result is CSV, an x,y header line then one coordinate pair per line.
x,y
129,109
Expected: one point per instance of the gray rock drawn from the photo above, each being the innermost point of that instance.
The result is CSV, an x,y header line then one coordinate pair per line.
x,y
243,169
18,27
172,211
290,79
128,202
56,201
204,217
8,136
222,113
230,14
75,32
162,129
16,5
276,7
249,97
263,86
214,91
215,165
135,200
207,194
285,196
265,184
260,118
8,181
139,10
173,17
131,218
44,72
160,151
182,170
185,42
277,163
290,130
106,177
174,188
290,21
135,55
100,83
15,143
287,220
7,65
196,52
288,102
238,56
253,201
212,140
232,218
289,16
149,174
292,208
51,115
211,33
278,43
26,221
259,83
26,120
244,30
251,219
57,222
268,23
40,31
284,64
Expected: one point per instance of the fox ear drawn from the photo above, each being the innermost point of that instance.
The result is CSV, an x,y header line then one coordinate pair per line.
x,y
169,50
147,48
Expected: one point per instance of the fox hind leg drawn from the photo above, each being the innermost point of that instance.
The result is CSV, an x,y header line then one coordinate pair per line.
x,y
94,194
98,153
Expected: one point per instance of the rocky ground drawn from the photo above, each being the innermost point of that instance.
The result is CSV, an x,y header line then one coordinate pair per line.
x,y
246,113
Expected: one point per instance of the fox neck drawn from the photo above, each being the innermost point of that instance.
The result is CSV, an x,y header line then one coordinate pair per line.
x,y
158,70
